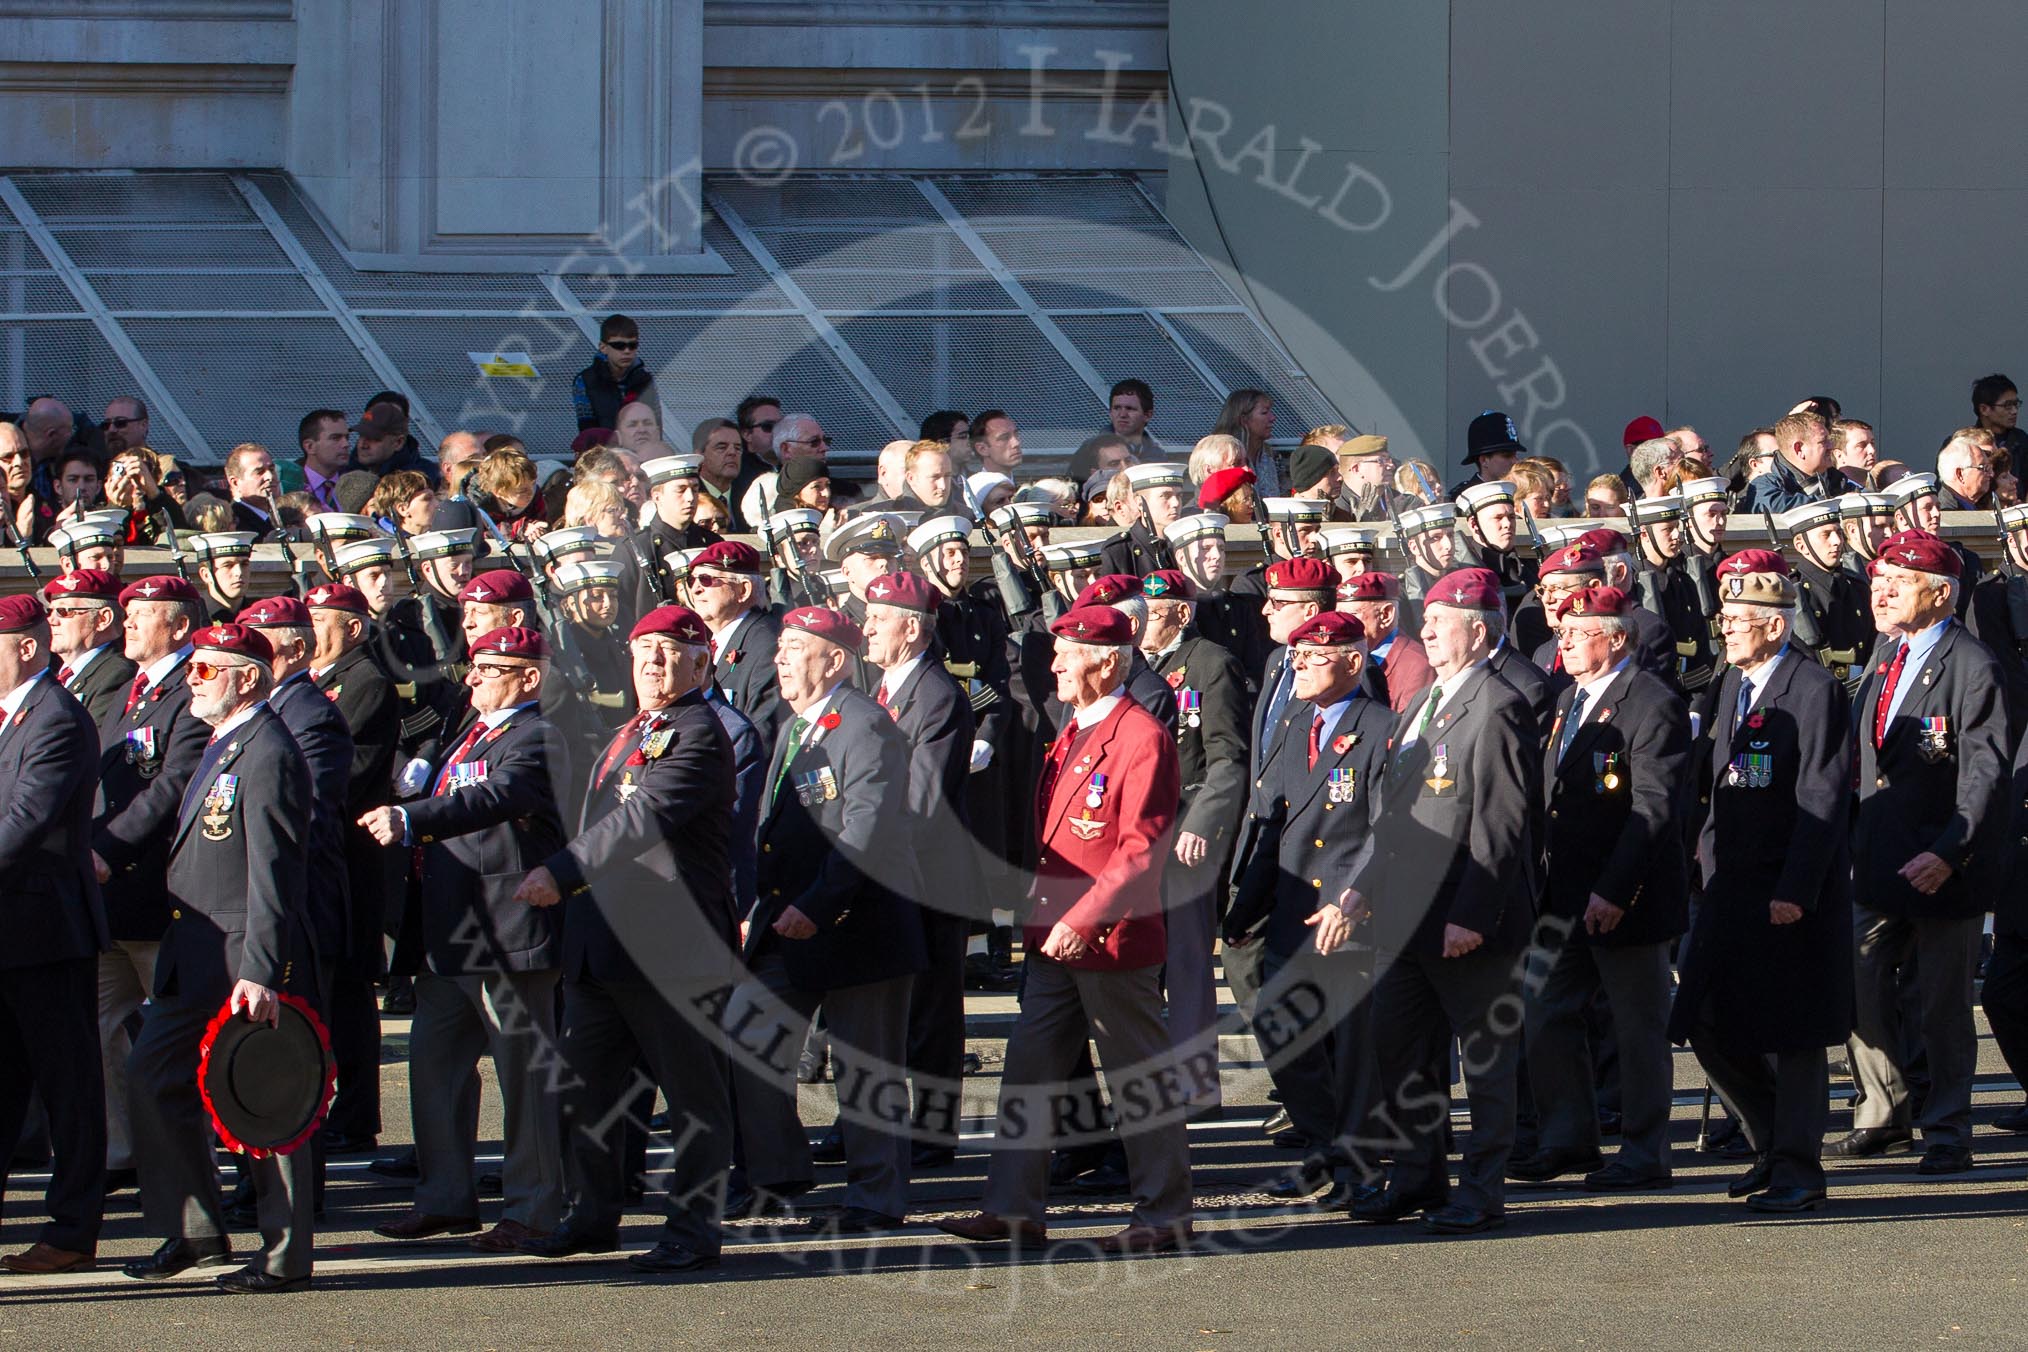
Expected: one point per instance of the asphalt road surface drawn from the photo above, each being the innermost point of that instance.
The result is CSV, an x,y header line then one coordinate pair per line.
x,y
1892,1261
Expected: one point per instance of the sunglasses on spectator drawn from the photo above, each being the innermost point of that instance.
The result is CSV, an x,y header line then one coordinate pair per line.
x,y
767,426
122,424
821,439
622,344
211,671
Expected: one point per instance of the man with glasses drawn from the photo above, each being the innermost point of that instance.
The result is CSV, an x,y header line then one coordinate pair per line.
x,y
1996,406
1766,981
731,599
795,436
125,425
1965,468
1614,776
615,377
1368,474
86,645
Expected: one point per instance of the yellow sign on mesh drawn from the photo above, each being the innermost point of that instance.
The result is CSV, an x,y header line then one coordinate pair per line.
x,y
513,365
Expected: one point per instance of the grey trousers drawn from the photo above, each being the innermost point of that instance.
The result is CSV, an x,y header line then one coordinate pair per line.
x,y
1946,953
1635,980
1780,1098
1122,1012
458,1019
1191,927
126,979
1420,1003
868,1024
180,1196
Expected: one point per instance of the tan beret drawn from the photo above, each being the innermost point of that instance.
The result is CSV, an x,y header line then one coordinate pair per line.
x,y
1362,446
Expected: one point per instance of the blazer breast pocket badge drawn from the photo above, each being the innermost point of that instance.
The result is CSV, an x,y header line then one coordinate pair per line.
x,y
218,807
1439,781
1933,742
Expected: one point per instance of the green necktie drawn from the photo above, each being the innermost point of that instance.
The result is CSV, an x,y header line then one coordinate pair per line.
x,y
797,728
1422,720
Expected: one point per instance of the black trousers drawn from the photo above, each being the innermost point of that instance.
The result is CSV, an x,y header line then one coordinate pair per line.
x,y
49,1040
1782,1101
354,1020
1325,1074
608,1027
936,1026
2006,1000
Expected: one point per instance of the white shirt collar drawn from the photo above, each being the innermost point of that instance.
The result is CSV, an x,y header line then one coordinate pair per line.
x,y
10,705
225,729
1098,710
158,671
722,640
1596,686
84,659
499,716
1759,676
894,678
823,702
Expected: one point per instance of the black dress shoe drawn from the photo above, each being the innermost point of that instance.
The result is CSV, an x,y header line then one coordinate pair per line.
x,y
1609,1123
830,1147
563,1243
491,1184
932,1156
670,1256
253,1281
1108,1180
1278,1122
744,1201
1715,1138
243,1215
338,1143
1386,1205
179,1255
1736,1147
855,1220
1301,1181
1065,1165
2015,1120
401,1166
1867,1142
1945,1159
1459,1219
1544,1165
1783,1200
971,1065
119,1180
1291,1139
400,997
1617,1177
1338,1197
1753,1180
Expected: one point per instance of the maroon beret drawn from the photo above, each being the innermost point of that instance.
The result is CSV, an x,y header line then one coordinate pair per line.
x,y
1109,590
590,437
678,622
276,612
1604,539
1370,586
95,584
1756,561
339,596
1302,575
826,623
162,587
1572,559
730,555
1167,584
1222,484
20,613
1097,625
513,641
1595,601
1332,629
499,587
239,640
1920,552
905,590
1643,428
1467,589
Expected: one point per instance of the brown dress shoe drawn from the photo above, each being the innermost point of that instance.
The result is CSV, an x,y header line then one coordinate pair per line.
x,y
981,1228
416,1225
44,1259
1147,1239
506,1237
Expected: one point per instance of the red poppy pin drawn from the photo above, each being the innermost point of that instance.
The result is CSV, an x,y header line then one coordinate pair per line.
x,y
1176,680
1342,744
828,722
731,659
1755,719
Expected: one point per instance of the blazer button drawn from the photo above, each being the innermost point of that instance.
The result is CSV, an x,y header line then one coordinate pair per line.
x,y
1880,783
1317,882
1318,844
176,915
767,849
1552,814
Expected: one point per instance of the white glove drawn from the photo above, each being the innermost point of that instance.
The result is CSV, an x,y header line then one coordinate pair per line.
x,y
982,756
414,777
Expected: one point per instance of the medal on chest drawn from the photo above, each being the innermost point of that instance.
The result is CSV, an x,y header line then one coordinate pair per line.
x,y
1439,780
1189,709
628,788
1605,765
218,807
1340,785
1084,825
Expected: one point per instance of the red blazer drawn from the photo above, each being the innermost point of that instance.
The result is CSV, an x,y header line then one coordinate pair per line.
x,y
1406,667
1099,869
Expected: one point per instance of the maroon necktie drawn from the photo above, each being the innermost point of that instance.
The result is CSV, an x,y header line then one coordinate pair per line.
x,y
457,757
1887,696
139,689
621,742
63,675
1316,734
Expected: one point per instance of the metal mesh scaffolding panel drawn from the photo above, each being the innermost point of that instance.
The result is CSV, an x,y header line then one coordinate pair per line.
x,y
239,382
35,293
62,199
886,201
432,355
1089,246
1124,288
67,359
218,246
1031,201
204,291
1132,345
1234,348
704,367
976,362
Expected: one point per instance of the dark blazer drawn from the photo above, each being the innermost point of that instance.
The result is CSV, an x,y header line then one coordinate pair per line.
x,y
647,880
1769,987
422,650
644,571
238,871
326,743
1135,550
750,758
1837,606
1455,836
102,689
1616,801
1538,687
365,699
834,858
1233,621
1940,789
139,794
246,518
50,908
746,673
1263,734
480,839
1998,618
934,717
1300,844
1211,739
